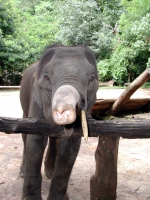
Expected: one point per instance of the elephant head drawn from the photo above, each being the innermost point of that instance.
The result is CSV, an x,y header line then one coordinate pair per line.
x,y
65,84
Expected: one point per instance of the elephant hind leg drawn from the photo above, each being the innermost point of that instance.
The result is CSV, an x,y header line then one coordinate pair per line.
x,y
50,158
24,136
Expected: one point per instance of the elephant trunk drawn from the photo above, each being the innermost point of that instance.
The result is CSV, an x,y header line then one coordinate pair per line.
x,y
64,105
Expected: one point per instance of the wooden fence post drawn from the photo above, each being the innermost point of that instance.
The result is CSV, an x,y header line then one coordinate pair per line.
x,y
103,184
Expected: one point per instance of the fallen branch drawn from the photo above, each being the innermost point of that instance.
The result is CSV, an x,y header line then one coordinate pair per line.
x,y
125,128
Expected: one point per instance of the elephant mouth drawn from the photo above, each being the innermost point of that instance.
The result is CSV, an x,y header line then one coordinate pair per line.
x,y
69,128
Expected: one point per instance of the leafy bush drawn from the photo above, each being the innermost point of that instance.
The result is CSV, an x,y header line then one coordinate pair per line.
x,y
32,33
104,69
89,23
131,54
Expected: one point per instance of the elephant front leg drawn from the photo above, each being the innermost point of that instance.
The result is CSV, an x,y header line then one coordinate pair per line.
x,y
67,152
103,184
35,146
50,158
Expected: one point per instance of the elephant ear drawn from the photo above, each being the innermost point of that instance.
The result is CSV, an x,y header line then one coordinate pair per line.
x,y
36,93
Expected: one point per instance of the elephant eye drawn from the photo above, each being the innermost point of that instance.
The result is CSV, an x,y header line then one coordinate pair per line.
x,y
91,79
46,77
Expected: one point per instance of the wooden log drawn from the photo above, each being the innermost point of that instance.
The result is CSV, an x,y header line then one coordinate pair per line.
x,y
104,182
102,106
120,102
124,128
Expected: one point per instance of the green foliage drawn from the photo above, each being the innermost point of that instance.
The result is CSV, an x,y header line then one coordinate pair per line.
x,y
111,11
116,66
104,69
36,32
7,28
89,23
132,47
32,34
7,25
117,31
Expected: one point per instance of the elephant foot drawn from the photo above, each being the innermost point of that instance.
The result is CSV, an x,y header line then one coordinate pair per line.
x,y
48,172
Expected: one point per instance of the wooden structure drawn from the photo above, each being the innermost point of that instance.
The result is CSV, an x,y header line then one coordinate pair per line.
x,y
104,182
138,101
130,129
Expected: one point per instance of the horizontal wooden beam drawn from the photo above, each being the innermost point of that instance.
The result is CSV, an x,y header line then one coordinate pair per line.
x,y
132,104
117,128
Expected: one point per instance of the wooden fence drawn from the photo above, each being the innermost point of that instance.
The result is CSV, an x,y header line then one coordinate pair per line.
x,y
117,128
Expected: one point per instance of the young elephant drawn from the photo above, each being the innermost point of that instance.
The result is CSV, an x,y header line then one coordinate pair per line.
x,y
57,88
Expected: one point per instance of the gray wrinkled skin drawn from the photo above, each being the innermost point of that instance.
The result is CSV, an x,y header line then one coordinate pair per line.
x,y
56,88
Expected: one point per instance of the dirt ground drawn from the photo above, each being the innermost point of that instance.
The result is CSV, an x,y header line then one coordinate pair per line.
x,y
133,163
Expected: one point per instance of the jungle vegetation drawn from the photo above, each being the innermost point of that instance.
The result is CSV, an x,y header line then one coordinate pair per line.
x,y
118,31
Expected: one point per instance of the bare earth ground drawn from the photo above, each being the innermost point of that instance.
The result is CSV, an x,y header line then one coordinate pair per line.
x,y
133,163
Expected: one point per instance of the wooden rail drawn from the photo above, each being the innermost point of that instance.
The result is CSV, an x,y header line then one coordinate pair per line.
x,y
124,128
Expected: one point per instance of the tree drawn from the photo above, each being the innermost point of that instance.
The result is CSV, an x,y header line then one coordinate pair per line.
x,y
29,5
131,47
7,28
32,33
7,25
90,23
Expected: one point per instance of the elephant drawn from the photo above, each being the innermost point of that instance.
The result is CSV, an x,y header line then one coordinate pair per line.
x,y
57,88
